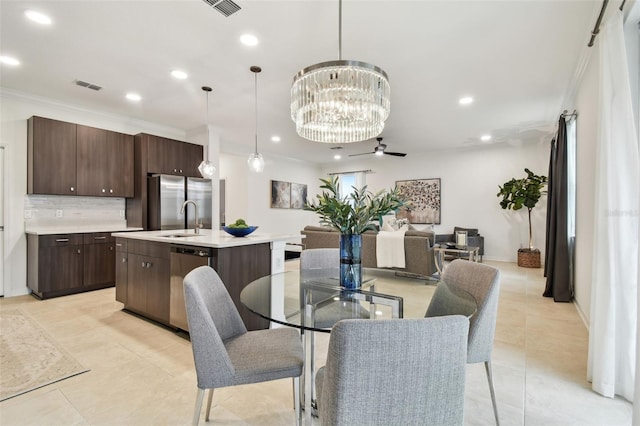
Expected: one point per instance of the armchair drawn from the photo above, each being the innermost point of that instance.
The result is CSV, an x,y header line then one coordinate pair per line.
x,y
473,238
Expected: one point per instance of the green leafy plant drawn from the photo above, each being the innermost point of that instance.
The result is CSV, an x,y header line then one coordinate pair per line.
x,y
353,214
525,192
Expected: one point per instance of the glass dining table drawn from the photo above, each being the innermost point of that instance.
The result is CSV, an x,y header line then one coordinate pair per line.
x,y
313,301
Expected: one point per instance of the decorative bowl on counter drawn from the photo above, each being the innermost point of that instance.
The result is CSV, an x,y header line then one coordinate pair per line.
x,y
239,232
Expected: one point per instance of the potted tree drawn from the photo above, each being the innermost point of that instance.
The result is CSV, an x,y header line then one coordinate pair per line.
x,y
519,193
352,215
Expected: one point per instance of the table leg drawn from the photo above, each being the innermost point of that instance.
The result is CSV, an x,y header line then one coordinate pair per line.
x,y
439,260
308,363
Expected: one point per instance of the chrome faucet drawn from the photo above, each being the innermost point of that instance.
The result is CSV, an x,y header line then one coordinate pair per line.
x,y
196,229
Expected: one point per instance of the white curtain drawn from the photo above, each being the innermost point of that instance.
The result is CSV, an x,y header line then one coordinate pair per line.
x,y
614,297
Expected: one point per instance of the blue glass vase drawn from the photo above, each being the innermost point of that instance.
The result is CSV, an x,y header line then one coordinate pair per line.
x,y
350,260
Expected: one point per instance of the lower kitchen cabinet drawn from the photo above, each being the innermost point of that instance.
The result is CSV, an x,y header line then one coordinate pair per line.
x,y
63,264
148,280
145,271
122,263
98,260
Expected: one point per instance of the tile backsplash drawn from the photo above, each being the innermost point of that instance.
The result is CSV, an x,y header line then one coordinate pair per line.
x,y
60,210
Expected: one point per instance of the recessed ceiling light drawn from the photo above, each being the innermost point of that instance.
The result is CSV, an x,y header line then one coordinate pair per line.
x,y
248,40
134,97
485,138
38,17
9,60
275,138
466,100
337,157
180,75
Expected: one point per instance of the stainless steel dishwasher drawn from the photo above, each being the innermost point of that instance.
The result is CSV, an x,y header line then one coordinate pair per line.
x,y
184,259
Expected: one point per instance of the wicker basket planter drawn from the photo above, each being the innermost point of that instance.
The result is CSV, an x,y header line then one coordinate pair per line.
x,y
528,258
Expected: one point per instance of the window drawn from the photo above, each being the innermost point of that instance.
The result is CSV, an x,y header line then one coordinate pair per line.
x,y
348,181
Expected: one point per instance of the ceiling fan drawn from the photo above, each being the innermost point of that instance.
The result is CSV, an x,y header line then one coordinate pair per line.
x,y
380,149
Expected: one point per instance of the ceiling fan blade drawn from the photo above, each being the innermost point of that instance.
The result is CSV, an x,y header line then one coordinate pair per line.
x,y
397,154
364,153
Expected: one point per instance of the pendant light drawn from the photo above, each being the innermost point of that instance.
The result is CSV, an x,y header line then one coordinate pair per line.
x,y
340,101
206,167
256,162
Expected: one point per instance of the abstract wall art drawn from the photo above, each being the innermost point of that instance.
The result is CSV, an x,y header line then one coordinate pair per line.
x,y
424,195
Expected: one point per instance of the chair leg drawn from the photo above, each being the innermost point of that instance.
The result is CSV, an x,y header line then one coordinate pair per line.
x,y
487,367
209,404
296,400
196,413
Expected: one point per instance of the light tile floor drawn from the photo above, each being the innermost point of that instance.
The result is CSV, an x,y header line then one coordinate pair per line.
x,y
143,374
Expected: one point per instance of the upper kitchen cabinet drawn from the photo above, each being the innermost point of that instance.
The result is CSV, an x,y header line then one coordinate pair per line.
x,y
168,156
71,159
105,162
158,155
51,157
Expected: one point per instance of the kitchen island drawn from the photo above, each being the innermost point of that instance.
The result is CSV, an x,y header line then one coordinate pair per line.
x,y
150,266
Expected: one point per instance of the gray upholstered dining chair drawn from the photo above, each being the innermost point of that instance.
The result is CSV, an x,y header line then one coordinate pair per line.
x,y
224,352
326,261
483,282
402,371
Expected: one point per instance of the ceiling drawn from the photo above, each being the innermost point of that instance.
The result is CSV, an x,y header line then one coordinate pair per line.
x,y
516,59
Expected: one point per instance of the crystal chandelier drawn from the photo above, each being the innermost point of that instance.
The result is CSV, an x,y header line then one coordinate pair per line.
x,y
256,162
340,101
206,167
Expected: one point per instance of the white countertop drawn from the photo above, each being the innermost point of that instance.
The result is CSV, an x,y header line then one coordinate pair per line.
x,y
69,229
206,238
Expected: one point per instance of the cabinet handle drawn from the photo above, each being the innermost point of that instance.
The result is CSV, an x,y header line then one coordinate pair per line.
x,y
180,170
175,170
118,244
110,248
78,251
99,238
104,190
72,189
149,264
144,265
111,191
124,260
62,240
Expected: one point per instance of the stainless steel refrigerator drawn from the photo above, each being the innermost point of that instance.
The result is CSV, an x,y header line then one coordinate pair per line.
x,y
167,193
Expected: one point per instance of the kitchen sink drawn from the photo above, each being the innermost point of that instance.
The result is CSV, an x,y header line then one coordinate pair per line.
x,y
182,235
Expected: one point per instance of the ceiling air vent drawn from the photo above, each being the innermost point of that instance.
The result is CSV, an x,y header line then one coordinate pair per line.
x,y
87,85
226,7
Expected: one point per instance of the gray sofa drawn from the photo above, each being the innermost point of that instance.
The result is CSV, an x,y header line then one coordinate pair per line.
x,y
418,248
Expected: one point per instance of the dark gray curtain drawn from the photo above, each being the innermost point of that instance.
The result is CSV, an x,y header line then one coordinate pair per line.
x,y
557,265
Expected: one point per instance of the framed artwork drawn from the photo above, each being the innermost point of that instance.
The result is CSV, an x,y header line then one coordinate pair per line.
x,y
424,195
298,195
280,194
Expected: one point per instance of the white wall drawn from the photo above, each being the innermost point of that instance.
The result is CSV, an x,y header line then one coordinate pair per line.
x,y
15,109
248,195
469,184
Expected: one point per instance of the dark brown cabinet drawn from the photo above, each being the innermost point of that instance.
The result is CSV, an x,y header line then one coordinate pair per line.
x,y
158,155
71,159
99,257
104,163
122,260
63,264
51,157
148,280
172,157
148,276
